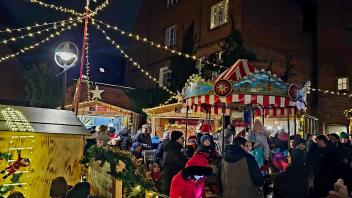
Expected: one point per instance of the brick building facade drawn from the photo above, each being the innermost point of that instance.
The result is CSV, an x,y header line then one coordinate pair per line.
x,y
318,42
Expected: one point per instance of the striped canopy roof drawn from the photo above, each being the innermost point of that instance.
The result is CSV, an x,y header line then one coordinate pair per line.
x,y
237,71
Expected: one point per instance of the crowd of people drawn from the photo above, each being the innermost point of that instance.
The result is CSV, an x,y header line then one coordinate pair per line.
x,y
254,163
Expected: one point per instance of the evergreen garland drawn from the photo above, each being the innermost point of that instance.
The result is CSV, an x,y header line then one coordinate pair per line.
x,y
134,177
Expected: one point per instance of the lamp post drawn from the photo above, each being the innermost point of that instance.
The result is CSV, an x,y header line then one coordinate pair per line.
x,y
66,55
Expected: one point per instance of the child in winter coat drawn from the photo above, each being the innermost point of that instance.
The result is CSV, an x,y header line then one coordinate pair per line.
x,y
189,183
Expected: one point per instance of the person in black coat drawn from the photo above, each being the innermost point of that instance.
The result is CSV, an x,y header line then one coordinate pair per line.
x,y
293,182
173,160
125,139
324,165
160,150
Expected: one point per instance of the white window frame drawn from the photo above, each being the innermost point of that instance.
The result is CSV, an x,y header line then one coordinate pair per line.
x,y
170,3
171,35
162,72
342,84
219,14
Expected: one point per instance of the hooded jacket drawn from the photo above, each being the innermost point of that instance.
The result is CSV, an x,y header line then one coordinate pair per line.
x,y
237,163
173,162
125,139
184,184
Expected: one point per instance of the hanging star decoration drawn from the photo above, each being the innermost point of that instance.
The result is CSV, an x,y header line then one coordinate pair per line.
x,y
96,93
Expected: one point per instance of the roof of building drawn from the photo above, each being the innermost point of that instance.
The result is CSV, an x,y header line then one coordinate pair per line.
x,y
44,120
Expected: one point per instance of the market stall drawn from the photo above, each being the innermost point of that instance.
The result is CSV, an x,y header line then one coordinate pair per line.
x,y
173,117
41,140
95,113
243,88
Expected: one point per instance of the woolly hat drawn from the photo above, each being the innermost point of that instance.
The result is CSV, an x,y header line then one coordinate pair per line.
x,y
145,126
175,135
197,165
166,135
203,138
344,135
283,136
80,190
135,145
58,187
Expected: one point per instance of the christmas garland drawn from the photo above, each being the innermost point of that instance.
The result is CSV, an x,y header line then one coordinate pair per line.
x,y
134,176
15,177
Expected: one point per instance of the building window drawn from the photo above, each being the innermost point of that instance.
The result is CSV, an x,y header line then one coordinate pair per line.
x,y
164,76
170,36
170,3
342,84
219,14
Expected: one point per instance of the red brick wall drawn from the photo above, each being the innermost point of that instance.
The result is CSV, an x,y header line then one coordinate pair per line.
x,y
272,29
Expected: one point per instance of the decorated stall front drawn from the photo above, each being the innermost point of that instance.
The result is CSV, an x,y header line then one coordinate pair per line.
x,y
40,143
96,113
245,93
173,117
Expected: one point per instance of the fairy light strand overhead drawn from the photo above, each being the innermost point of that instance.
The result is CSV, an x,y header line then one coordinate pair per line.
x,y
31,27
131,60
154,44
33,46
58,8
38,32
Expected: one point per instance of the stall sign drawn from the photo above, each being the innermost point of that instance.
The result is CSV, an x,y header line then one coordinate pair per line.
x,y
101,108
183,121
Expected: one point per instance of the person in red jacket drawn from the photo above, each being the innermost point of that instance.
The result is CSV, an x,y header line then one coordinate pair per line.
x,y
189,183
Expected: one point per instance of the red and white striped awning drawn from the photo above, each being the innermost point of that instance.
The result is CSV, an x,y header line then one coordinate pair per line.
x,y
237,71
275,112
214,103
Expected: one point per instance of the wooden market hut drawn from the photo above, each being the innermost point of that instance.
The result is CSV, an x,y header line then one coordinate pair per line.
x,y
89,111
173,117
52,139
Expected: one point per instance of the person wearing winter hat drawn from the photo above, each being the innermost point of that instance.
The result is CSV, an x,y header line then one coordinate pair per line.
x,y
190,182
137,150
80,190
160,149
58,187
237,163
101,136
205,144
173,160
344,137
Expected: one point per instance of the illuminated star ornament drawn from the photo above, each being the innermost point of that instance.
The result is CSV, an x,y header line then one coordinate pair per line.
x,y
96,93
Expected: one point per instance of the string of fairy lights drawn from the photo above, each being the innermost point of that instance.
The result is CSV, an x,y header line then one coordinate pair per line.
x,y
154,44
33,46
58,8
132,61
329,92
99,8
87,65
29,28
39,32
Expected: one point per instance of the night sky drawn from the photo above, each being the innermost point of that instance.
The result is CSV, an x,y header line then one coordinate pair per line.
x,y
20,13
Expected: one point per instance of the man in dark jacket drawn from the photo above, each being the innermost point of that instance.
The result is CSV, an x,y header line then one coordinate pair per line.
x,y
237,163
144,137
323,162
344,150
293,182
173,160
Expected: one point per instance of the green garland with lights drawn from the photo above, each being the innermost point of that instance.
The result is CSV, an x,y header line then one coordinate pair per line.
x,y
14,179
134,176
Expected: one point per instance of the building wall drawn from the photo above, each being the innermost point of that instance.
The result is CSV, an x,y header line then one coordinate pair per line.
x,y
12,80
272,29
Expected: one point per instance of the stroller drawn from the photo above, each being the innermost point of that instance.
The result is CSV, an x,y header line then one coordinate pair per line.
x,y
149,157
